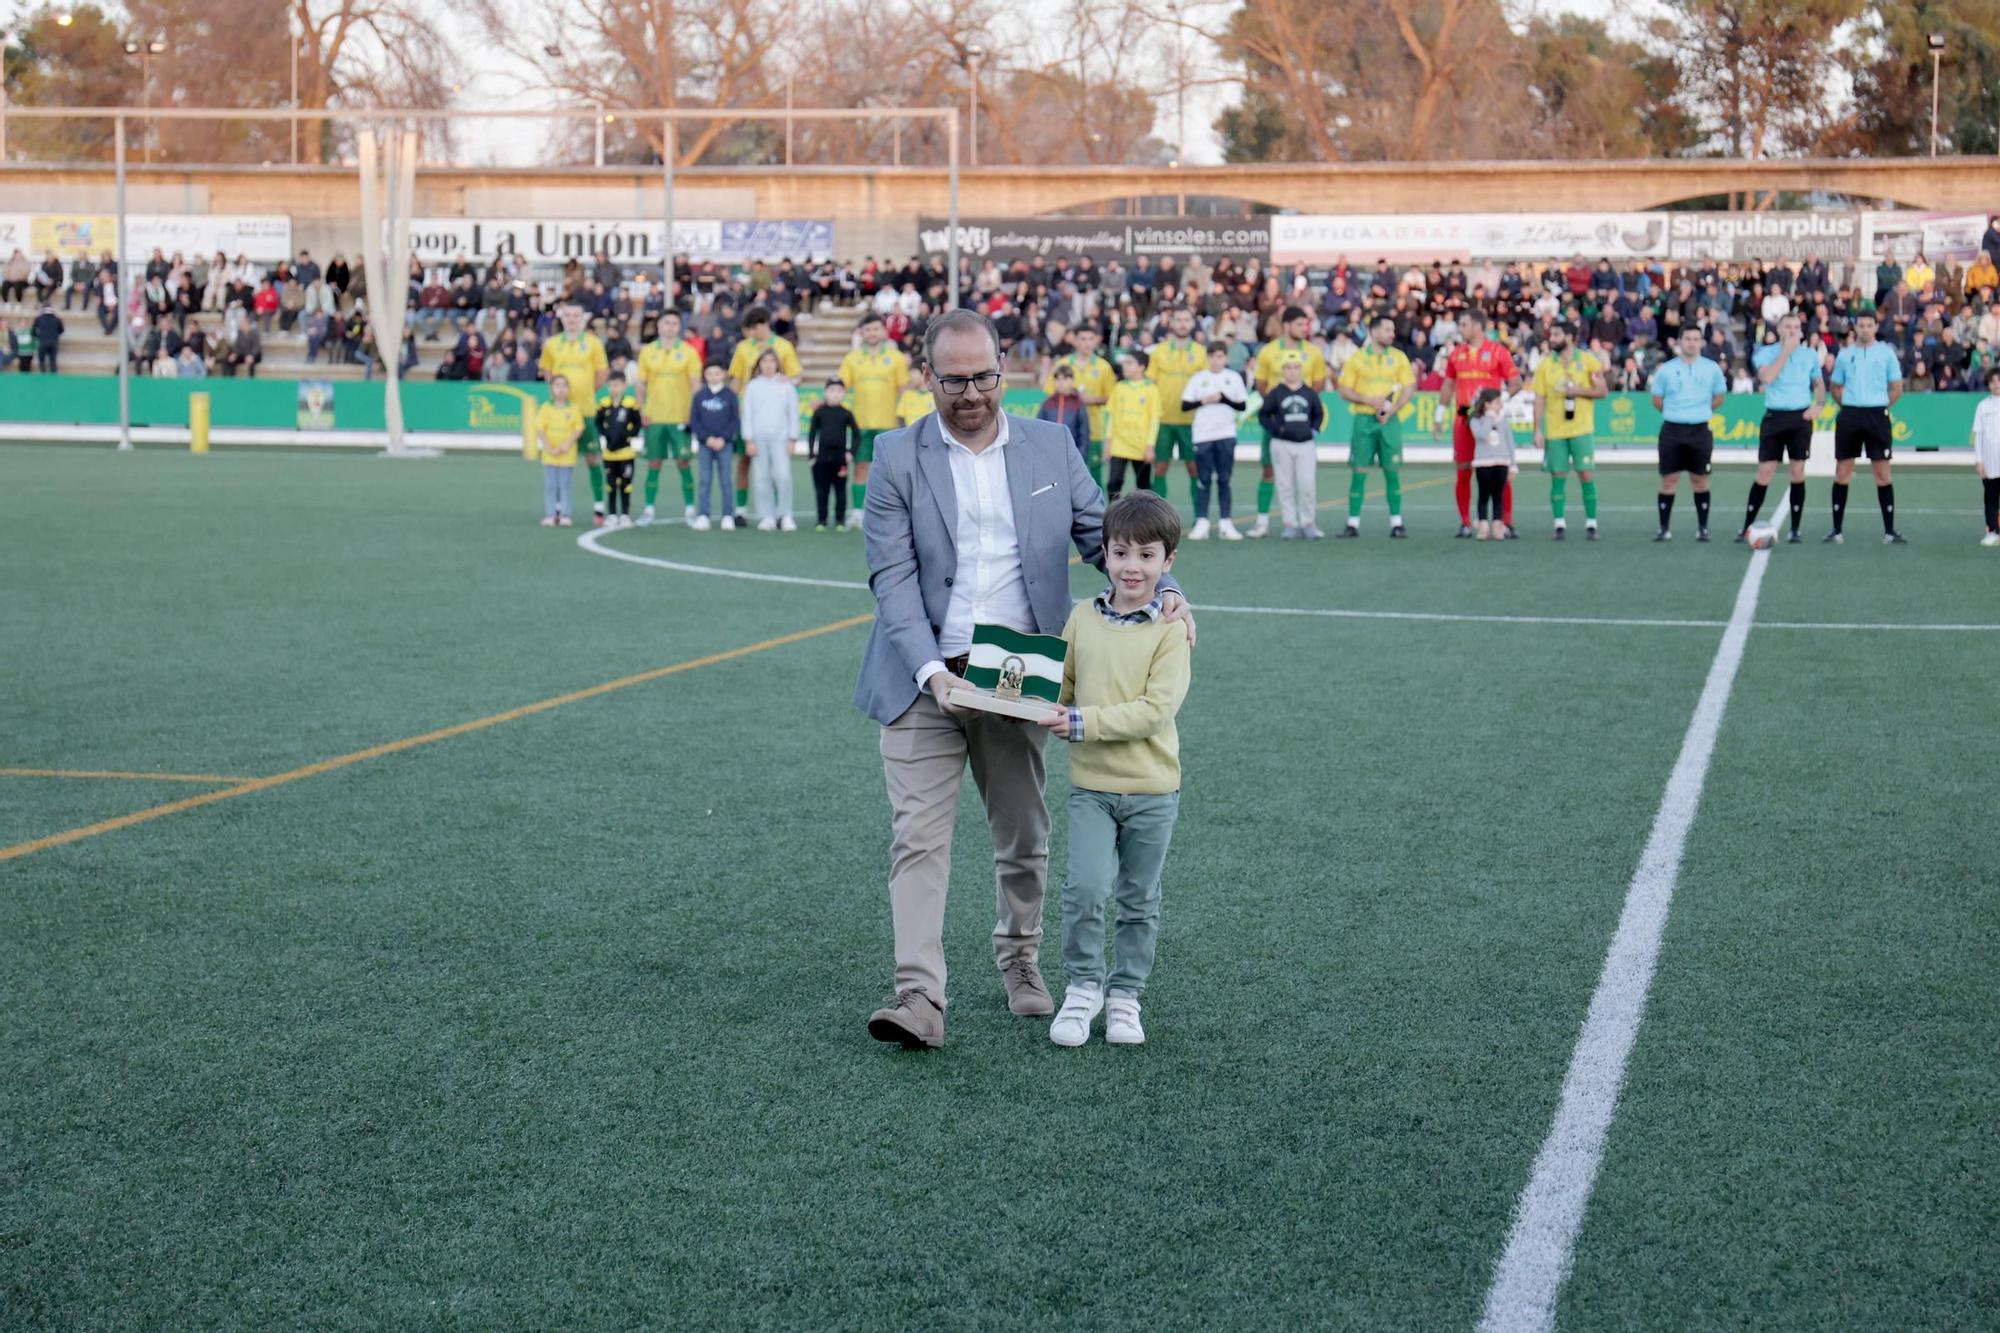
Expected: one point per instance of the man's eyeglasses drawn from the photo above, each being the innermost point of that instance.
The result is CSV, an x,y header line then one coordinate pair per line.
x,y
984,381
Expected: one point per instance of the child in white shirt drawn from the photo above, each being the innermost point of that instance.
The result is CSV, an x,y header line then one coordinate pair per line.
x,y
1492,459
1986,453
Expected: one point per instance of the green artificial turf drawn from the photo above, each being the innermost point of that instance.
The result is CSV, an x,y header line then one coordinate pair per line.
x,y
561,1022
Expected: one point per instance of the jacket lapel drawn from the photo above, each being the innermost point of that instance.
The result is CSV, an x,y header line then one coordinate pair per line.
x,y
936,467
1020,476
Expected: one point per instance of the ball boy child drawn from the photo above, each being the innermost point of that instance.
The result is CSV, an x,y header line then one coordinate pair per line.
x,y
618,431
558,426
832,437
1124,678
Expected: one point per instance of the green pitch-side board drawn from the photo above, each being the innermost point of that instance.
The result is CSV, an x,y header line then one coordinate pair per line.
x,y
1923,421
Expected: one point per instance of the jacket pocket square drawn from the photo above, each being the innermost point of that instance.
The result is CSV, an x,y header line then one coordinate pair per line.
x,y
1041,490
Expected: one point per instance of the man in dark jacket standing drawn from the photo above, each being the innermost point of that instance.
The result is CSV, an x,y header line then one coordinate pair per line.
x,y
48,333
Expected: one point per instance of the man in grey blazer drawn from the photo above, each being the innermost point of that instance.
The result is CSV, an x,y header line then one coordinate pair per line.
x,y
970,519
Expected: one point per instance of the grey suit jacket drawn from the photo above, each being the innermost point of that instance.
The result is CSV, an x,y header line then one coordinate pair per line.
x,y
910,523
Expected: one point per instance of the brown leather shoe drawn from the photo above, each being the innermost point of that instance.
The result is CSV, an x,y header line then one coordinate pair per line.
x,y
1026,995
912,1020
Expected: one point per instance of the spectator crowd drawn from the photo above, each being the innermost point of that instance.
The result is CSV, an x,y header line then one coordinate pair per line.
x,y
490,319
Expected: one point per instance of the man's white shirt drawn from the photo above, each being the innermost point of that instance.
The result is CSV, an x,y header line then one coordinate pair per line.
x,y
1986,434
988,587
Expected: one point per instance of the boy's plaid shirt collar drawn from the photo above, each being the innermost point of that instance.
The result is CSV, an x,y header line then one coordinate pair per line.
x,y
1151,611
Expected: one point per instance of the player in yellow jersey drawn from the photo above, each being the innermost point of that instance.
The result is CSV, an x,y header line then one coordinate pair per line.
x,y
1175,361
1134,417
917,401
577,355
1094,380
1377,382
669,372
757,340
1294,345
1566,384
873,373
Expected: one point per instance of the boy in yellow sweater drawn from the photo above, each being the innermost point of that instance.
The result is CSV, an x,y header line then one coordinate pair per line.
x,y
1134,413
1124,677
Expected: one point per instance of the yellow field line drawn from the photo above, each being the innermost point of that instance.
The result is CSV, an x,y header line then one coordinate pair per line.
x,y
248,786
211,778
1383,495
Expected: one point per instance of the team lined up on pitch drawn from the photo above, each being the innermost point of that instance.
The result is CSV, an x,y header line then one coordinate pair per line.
x,y
1181,401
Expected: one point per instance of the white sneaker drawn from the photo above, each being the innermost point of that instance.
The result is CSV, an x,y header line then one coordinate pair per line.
x,y
646,517
1990,539
1072,1025
1121,1022
1199,532
1261,528
1227,531
690,513
854,521
699,523
767,525
728,523
788,524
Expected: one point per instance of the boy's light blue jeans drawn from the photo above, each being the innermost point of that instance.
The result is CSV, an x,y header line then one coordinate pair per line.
x,y
716,465
555,489
1117,849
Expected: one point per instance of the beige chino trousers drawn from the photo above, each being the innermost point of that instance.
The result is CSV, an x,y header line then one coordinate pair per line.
x,y
924,755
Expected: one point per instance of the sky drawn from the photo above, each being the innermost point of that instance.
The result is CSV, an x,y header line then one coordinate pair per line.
x,y
501,81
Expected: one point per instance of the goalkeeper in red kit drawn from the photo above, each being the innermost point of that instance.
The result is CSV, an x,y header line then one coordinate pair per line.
x,y
1477,363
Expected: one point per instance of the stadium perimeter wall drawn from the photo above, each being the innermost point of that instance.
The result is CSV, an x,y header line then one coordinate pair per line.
x,y
449,414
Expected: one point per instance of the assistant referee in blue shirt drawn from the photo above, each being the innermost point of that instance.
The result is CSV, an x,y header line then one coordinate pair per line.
x,y
1867,381
1687,391
1794,389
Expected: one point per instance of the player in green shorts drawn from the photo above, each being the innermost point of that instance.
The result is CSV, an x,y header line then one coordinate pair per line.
x,y
1377,382
1566,386
1174,361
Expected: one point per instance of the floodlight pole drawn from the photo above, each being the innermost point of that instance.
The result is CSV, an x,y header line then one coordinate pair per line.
x,y
951,229
124,293
1937,55
667,198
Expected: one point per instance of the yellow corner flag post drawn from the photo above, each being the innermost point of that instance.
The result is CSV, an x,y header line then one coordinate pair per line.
x,y
198,423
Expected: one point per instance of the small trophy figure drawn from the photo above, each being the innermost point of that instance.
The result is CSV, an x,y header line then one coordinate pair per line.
x,y
1013,673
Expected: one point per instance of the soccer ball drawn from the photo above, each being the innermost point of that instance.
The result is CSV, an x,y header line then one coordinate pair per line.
x,y
1763,538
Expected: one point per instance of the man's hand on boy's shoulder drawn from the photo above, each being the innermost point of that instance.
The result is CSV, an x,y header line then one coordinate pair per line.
x,y
1174,609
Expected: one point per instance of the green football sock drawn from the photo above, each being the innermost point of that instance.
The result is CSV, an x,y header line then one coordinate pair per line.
x,y
1392,482
1559,496
1590,500
597,484
652,486
1357,490
687,485
857,496
1160,466
742,496
1265,490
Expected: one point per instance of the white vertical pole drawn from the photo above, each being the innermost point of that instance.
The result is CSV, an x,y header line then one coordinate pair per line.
x,y
124,294
667,149
951,252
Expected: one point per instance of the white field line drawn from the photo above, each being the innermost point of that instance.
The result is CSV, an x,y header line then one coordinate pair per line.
x,y
1549,1213
591,540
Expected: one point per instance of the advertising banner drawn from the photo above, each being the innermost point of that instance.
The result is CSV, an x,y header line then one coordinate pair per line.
x,y
1568,235
1941,236
1305,238
1005,240
1923,421
1731,237
625,240
267,238
14,229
